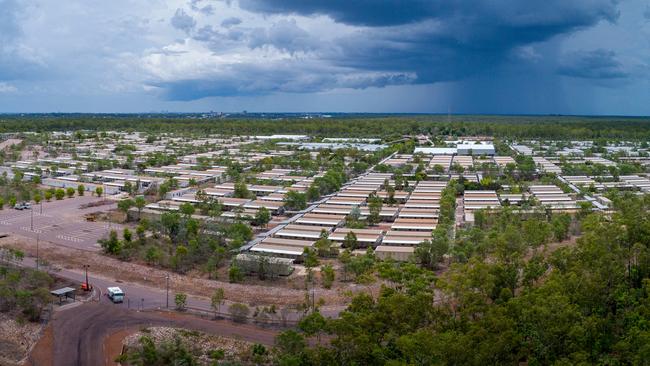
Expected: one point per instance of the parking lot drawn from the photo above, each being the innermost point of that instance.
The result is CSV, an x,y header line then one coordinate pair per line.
x,y
61,222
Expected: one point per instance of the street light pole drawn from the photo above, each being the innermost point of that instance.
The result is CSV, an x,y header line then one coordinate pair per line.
x,y
167,296
32,219
37,239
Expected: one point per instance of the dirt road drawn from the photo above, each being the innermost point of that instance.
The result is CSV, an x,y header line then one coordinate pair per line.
x,y
80,333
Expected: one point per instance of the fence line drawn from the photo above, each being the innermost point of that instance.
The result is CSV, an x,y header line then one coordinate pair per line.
x,y
211,314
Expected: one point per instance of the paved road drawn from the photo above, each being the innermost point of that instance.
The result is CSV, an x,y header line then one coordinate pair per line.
x,y
60,222
141,297
79,333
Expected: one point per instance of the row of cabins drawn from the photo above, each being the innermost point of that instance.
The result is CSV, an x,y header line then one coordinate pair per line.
x,y
403,227
462,148
546,166
328,217
585,160
479,200
447,161
626,182
553,197
269,196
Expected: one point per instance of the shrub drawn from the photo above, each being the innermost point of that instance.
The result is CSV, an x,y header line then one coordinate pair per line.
x,y
239,312
181,301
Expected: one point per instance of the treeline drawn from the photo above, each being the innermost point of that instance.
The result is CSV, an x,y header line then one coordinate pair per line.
x,y
550,127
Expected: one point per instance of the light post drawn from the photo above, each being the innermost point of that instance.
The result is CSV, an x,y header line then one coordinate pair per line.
x,y
31,227
37,239
167,296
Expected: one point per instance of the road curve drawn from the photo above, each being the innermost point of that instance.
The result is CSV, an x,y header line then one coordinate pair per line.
x,y
79,332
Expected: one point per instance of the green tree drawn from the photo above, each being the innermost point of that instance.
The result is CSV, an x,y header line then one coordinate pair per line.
x,y
295,201
187,209
48,196
323,245
217,299
328,275
128,188
560,225
125,205
60,194
290,342
535,232
241,190
171,222
70,192
313,324
262,217
310,258
81,190
181,301
153,255
112,245
235,273
99,191
37,197
374,207
127,235
140,203
141,230
350,241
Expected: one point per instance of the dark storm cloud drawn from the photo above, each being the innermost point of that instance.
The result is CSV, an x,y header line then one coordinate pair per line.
x,y
437,40
396,42
397,12
597,64
279,76
359,12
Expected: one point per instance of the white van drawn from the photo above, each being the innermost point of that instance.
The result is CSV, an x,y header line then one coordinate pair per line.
x,y
115,294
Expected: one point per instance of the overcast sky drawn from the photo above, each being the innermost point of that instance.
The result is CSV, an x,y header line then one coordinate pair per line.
x,y
462,56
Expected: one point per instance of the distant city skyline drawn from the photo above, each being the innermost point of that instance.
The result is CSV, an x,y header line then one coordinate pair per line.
x,y
580,57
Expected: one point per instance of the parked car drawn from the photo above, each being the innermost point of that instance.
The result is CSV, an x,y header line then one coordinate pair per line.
x,y
23,206
115,294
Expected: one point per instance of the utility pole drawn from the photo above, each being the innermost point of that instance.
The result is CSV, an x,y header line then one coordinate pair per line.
x,y
167,297
41,206
32,219
37,239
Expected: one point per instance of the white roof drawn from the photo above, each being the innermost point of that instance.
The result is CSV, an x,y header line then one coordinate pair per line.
x,y
435,150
